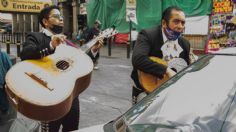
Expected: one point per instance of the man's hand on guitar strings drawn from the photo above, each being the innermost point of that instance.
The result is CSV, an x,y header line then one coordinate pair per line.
x,y
57,40
98,45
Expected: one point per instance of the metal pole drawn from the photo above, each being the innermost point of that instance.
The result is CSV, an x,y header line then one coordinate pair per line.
x,y
109,46
8,43
18,43
129,43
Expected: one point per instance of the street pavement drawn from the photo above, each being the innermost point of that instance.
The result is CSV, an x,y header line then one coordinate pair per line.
x,y
109,93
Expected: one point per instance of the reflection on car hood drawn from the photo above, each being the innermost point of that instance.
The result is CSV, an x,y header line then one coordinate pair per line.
x,y
230,50
202,100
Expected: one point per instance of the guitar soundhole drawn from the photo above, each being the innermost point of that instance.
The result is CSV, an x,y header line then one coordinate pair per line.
x,y
62,65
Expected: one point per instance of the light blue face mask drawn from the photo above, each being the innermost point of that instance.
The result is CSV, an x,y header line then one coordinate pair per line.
x,y
171,34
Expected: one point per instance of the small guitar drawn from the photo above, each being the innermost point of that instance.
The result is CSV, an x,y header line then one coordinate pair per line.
x,y
44,89
104,34
150,82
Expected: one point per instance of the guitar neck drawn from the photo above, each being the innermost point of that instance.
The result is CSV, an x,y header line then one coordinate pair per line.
x,y
86,47
104,34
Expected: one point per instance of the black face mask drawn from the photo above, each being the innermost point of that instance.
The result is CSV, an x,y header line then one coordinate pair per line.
x,y
57,29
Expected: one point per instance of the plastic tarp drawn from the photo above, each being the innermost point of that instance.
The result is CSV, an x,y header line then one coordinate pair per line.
x,y
190,7
121,38
148,12
109,12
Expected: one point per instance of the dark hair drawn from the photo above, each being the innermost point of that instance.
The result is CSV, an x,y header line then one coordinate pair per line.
x,y
44,13
167,13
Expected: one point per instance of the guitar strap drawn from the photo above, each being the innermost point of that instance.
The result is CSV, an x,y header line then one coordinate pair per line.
x,y
68,42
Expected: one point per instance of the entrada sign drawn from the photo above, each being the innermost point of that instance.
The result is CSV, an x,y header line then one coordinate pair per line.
x,y
32,6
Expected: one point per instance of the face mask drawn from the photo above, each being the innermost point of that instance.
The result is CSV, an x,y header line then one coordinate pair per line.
x,y
57,29
171,34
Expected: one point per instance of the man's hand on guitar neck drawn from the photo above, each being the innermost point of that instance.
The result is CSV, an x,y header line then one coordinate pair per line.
x,y
98,45
57,40
170,72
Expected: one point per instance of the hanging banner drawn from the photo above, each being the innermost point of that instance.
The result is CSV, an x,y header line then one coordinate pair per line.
x,y
131,11
222,31
32,6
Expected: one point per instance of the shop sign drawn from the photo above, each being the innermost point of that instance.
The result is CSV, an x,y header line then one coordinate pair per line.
x,y
32,6
61,1
222,26
222,6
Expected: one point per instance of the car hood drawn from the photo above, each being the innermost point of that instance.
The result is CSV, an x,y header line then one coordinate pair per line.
x,y
202,100
229,50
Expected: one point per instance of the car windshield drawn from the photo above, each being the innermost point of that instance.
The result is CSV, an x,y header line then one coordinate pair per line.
x,y
198,98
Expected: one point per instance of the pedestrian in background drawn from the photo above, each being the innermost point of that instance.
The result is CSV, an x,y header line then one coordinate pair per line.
x,y
5,65
7,114
91,34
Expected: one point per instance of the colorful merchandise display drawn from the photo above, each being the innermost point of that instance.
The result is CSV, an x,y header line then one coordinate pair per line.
x,y
222,31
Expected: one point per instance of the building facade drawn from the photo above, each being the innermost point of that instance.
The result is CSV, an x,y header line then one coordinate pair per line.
x,y
24,22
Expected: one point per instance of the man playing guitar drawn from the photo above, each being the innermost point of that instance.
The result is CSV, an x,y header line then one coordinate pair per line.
x,y
41,44
164,42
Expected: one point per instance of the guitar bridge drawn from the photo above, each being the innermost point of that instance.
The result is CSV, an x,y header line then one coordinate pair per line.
x,y
39,80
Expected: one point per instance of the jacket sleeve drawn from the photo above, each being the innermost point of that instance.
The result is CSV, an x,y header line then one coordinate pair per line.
x,y
140,57
34,47
188,51
186,46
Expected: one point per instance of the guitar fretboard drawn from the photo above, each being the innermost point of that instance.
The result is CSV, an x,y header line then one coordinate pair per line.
x,y
87,46
104,34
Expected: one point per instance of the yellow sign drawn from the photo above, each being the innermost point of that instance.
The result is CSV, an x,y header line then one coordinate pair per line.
x,y
130,3
32,6
223,6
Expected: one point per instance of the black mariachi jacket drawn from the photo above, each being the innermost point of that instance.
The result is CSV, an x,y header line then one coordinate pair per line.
x,y
37,45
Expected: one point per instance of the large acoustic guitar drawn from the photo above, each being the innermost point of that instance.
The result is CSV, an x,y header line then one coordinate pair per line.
x,y
44,89
150,82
